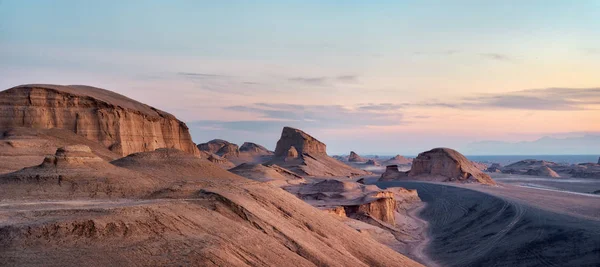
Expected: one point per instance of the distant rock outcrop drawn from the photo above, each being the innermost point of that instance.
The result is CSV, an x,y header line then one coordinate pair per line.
x,y
598,160
255,149
355,157
372,162
392,173
534,167
447,165
301,141
247,153
303,154
398,160
119,123
544,171
220,147
495,167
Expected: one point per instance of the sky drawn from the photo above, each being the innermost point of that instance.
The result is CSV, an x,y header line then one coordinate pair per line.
x,y
376,77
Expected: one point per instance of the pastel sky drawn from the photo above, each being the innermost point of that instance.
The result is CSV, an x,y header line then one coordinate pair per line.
x,y
382,77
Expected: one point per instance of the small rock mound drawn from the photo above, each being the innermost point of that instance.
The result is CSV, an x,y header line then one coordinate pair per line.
x,y
372,163
355,157
398,160
445,164
255,149
392,173
70,155
495,167
543,171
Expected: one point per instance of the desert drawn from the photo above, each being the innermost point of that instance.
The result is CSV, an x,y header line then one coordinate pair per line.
x,y
299,133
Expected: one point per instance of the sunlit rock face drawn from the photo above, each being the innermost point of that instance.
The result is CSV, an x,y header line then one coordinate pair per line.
x,y
119,123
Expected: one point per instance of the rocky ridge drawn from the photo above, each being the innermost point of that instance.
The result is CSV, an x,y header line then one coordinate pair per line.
x,y
99,115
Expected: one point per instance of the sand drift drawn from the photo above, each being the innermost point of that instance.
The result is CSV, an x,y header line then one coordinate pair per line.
x,y
472,228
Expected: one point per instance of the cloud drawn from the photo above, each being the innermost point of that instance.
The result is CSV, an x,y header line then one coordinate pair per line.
x,y
496,56
381,107
531,99
201,75
325,80
326,116
309,80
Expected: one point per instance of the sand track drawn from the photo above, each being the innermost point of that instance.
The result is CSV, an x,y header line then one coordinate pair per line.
x,y
473,228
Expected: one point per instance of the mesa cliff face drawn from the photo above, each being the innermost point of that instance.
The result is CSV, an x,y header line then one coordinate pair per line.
x,y
303,154
301,141
119,123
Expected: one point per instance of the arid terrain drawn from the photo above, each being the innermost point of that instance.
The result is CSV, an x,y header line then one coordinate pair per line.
x,y
90,177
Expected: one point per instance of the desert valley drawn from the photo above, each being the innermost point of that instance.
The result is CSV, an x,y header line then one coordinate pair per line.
x,y
90,177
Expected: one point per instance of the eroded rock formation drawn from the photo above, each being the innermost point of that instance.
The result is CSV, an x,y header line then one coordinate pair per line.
x,y
445,164
353,157
398,160
392,173
255,149
303,154
119,123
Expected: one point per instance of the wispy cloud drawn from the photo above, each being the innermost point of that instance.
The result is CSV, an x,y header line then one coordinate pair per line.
x,y
326,116
324,80
496,56
532,99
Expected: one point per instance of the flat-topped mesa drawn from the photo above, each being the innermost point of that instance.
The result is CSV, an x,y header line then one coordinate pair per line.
x,y
445,164
301,141
355,157
121,124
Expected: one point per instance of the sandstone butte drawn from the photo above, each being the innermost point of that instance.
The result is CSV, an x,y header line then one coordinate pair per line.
x,y
441,165
448,164
119,123
303,154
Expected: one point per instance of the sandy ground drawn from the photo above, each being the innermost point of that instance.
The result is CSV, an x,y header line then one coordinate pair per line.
x,y
580,185
507,225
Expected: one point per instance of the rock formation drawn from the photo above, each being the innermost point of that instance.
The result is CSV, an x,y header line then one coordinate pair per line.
x,y
398,160
598,160
247,153
444,164
220,147
359,201
301,141
392,173
74,172
495,167
255,149
355,157
121,124
305,155
544,171
372,163
27,147
220,161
